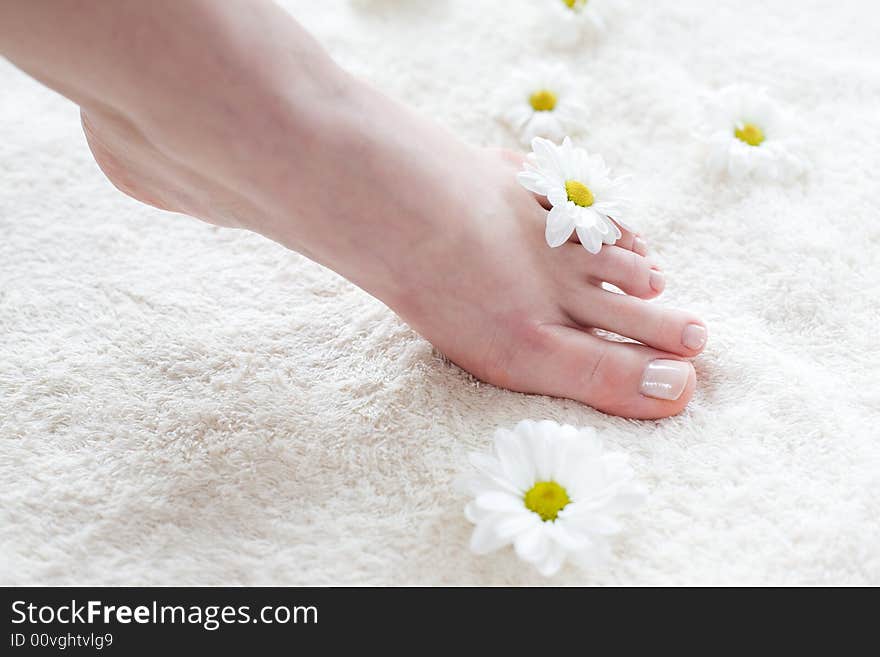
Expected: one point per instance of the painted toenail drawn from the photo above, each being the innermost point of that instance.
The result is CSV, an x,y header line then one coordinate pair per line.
x,y
665,379
657,281
640,246
693,336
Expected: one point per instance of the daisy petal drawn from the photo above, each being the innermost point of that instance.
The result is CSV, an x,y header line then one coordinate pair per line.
x,y
582,492
560,224
484,540
625,224
540,440
498,501
557,196
515,524
514,460
532,545
552,562
547,156
485,463
571,540
589,239
493,475
532,181
612,234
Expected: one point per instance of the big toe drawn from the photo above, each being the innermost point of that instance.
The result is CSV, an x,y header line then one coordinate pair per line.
x,y
619,378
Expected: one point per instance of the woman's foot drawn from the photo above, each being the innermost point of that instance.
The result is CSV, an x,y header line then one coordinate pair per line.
x,y
500,303
437,229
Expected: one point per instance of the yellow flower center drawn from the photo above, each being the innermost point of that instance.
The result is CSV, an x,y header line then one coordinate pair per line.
x,y
750,134
547,499
575,5
543,100
579,193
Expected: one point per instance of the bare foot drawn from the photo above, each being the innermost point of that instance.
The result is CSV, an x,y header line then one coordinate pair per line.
x,y
439,230
451,242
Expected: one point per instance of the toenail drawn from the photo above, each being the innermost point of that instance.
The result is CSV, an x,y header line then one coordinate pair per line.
x,y
640,246
693,336
657,281
665,379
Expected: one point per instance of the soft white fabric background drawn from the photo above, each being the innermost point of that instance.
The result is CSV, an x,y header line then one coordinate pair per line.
x,y
181,404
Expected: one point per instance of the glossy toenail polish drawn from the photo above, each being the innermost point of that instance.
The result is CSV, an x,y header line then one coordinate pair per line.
x,y
640,246
693,336
657,281
665,379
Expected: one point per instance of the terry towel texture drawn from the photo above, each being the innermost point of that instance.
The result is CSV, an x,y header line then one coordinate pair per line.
x,y
181,404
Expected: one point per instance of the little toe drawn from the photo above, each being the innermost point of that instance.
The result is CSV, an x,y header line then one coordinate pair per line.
x,y
670,330
619,378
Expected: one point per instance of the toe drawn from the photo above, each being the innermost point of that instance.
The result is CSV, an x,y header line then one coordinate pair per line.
x,y
670,330
632,242
619,378
632,273
628,240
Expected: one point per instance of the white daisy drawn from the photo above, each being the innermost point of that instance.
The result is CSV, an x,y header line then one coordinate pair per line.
x,y
540,102
747,134
552,492
580,189
573,20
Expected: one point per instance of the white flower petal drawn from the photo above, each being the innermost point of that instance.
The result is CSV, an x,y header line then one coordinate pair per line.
x,y
624,223
560,224
565,445
549,168
547,156
498,501
612,234
605,525
571,540
484,540
590,239
599,485
557,195
514,524
730,110
469,484
532,545
541,442
474,514
516,111
552,561
493,475
533,181
514,459
518,116
485,463
544,124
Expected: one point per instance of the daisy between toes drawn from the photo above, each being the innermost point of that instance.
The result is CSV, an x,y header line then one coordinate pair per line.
x,y
438,230
582,194
580,197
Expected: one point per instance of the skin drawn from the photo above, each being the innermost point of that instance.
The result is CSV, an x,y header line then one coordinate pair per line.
x,y
253,126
